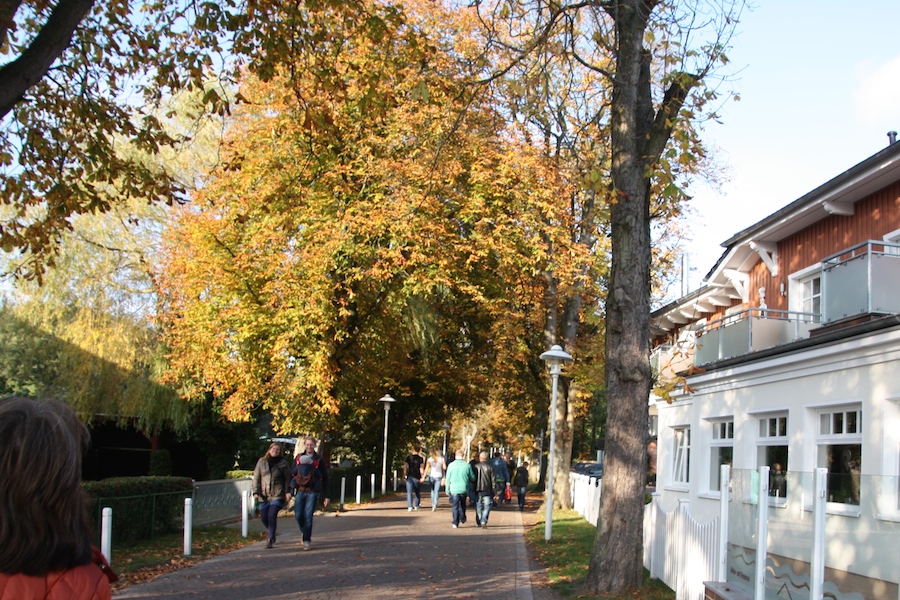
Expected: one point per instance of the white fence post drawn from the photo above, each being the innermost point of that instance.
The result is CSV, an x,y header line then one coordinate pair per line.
x,y
724,498
817,561
762,532
359,489
343,492
188,524
106,534
245,513
681,534
395,480
373,486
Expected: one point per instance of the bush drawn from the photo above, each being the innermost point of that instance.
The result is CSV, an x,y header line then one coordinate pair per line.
x,y
160,463
143,507
238,474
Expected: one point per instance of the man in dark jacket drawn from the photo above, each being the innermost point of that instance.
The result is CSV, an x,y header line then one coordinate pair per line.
x,y
484,489
309,480
521,484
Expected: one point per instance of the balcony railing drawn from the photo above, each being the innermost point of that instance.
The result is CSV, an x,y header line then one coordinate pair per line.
x,y
863,279
750,330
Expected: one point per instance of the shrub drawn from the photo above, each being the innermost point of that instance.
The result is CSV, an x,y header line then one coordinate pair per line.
x,y
142,507
238,474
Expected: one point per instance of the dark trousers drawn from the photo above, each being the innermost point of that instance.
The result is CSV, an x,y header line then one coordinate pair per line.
x,y
268,514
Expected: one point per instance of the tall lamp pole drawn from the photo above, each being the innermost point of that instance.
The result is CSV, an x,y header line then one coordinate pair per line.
x,y
386,400
555,357
446,428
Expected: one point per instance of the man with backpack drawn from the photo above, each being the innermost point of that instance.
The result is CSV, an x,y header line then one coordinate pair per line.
x,y
309,479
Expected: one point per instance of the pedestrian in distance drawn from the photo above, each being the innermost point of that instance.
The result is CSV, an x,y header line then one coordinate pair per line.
x,y
435,468
309,480
45,533
484,489
511,469
501,476
473,497
414,471
520,481
459,476
270,485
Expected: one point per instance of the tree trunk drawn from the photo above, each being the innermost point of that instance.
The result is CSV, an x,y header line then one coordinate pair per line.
x,y
617,558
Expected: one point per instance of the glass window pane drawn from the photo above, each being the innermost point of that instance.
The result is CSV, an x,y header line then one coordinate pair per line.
x,y
782,426
843,462
852,421
824,424
838,423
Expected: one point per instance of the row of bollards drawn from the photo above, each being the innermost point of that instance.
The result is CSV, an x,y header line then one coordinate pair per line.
x,y
246,510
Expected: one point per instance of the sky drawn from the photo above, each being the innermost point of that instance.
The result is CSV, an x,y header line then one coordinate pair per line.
x,y
819,86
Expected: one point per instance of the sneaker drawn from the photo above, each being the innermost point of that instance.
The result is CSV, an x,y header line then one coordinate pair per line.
x,y
416,508
306,545
409,509
268,544
484,525
455,526
433,508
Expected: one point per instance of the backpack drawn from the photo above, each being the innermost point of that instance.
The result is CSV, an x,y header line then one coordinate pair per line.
x,y
306,481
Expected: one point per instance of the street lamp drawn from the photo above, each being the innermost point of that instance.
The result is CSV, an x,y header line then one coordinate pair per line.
x,y
521,437
386,400
446,428
555,357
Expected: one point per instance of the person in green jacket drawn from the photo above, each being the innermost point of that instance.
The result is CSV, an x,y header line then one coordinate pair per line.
x,y
459,475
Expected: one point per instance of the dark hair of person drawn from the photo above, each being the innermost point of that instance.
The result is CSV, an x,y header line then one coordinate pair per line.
x,y
44,526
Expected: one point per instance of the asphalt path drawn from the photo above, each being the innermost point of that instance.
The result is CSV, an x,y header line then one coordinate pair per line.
x,y
378,550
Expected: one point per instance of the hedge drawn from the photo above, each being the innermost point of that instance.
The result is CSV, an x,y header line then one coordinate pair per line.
x,y
142,507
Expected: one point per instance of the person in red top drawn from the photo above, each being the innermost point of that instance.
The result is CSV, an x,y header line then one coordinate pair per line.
x,y
45,534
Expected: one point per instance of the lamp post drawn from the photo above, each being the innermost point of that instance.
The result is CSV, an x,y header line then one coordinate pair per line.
x,y
386,400
555,357
446,428
519,461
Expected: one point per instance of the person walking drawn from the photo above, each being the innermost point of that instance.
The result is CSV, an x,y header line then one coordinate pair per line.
x,y
436,468
459,476
473,497
520,481
414,470
271,478
501,476
484,489
309,480
45,537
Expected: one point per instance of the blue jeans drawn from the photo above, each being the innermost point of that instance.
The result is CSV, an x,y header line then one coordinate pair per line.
x,y
483,507
304,507
521,492
458,506
435,492
413,485
268,514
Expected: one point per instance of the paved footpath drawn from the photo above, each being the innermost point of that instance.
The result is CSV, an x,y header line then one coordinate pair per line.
x,y
378,550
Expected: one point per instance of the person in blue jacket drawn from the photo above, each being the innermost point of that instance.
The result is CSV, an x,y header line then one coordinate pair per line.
x,y
309,480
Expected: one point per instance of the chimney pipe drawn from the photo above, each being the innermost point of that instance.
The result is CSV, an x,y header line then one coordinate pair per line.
x,y
892,137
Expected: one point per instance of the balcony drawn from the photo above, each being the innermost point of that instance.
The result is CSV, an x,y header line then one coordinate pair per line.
x,y
861,280
750,330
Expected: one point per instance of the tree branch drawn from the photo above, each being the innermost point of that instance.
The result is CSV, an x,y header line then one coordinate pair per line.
x,y
55,36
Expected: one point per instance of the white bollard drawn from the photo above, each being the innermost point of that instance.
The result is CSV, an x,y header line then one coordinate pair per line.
x,y
359,489
188,524
395,480
373,486
343,492
245,513
106,534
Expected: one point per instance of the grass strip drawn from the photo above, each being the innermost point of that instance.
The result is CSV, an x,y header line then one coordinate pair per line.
x,y
567,557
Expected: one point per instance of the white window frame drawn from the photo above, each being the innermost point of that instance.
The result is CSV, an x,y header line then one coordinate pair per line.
x,y
681,456
781,437
797,282
827,436
721,436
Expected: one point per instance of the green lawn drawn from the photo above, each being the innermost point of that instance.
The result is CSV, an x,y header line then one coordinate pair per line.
x,y
567,555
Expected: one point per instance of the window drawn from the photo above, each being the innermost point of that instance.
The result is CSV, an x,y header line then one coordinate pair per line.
x,y
682,467
839,446
806,293
811,295
721,451
772,452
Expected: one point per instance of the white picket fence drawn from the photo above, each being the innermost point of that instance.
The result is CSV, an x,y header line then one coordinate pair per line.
x,y
678,550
